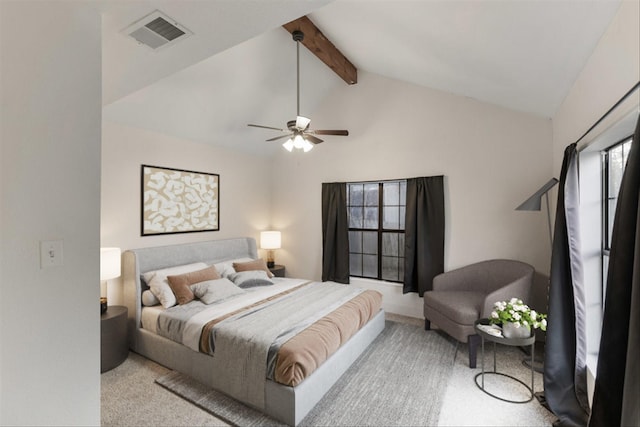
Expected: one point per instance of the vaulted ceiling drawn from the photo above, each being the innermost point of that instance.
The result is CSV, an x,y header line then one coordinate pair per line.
x,y
239,66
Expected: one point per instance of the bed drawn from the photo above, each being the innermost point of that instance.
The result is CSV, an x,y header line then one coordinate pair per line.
x,y
287,403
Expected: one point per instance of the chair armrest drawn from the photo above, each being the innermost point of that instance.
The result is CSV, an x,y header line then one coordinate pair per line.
x,y
519,288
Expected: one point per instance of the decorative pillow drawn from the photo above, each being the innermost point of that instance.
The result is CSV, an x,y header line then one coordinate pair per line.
x,y
159,284
180,284
250,279
149,299
215,290
257,264
225,268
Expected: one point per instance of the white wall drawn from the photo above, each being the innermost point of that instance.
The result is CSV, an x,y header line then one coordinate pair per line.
x,y
493,159
244,188
50,66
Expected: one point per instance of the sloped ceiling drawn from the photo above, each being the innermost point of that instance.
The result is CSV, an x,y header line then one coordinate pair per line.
x,y
239,67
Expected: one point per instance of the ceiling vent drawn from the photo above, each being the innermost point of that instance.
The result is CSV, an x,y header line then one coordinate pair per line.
x,y
156,31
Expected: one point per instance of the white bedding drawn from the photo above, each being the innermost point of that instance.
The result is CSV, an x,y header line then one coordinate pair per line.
x,y
191,333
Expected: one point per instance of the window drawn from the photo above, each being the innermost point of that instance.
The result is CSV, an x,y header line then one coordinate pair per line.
x,y
376,212
614,160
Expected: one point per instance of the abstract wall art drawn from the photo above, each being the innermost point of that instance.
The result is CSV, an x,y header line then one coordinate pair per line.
x,y
179,201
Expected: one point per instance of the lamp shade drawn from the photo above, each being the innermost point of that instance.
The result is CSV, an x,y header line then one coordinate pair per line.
x,y
270,239
109,263
534,202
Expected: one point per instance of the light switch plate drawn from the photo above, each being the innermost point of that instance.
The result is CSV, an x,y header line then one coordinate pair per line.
x,y
51,254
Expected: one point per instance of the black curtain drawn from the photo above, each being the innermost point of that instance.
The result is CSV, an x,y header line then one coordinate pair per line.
x,y
565,381
335,233
424,233
616,399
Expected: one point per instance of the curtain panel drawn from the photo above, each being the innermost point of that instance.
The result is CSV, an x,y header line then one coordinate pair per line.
x,y
616,399
565,380
424,233
335,233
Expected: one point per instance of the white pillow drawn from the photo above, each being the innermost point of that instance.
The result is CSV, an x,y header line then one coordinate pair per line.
x,y
149,299
217,290
225,268
159,284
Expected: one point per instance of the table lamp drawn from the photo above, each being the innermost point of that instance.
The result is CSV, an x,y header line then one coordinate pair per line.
x,y
270,240
109,269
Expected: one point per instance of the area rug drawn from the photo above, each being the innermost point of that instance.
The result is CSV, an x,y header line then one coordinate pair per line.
x,y
399,380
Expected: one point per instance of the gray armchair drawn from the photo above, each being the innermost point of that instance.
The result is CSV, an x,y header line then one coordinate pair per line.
x,y
462,296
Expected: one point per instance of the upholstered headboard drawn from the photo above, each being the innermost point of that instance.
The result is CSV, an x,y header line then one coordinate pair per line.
x,y
139,261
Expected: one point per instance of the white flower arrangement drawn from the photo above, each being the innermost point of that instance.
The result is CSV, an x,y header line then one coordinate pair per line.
x,y
518,313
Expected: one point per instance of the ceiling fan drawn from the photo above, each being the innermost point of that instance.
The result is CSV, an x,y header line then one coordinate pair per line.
x,y
298,132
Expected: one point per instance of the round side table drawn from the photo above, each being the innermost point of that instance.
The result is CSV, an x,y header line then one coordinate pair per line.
x,y
519,342
114,345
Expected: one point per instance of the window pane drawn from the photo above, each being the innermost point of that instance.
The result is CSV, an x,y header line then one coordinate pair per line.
x,y
370,218
403,193
391,219
391,192
401,244
371,194
370,266
403,214
390,268
389,244
612,214
356,195
355,217
355,264
370,242
355,241
615,170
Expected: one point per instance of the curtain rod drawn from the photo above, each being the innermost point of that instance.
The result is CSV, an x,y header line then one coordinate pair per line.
x,y
604,116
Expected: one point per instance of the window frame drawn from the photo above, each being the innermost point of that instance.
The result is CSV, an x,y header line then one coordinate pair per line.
x,y
380,230
606,199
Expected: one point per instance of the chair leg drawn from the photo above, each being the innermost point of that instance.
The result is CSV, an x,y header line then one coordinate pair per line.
x,y
473,341
427,324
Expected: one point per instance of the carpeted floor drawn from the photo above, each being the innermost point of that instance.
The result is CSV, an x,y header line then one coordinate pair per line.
x,y
130,395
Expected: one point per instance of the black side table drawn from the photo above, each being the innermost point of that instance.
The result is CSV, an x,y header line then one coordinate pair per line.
x,y
277,270
519,342
114,345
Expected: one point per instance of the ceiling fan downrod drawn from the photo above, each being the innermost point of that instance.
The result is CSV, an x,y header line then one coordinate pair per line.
x,y
298,36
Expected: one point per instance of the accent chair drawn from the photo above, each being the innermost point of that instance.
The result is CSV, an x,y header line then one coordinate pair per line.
x,y
462,296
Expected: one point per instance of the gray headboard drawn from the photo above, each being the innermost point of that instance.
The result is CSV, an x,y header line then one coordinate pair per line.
x,y
139,261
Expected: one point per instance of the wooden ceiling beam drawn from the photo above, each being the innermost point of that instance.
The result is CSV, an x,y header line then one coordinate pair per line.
x,y
322,47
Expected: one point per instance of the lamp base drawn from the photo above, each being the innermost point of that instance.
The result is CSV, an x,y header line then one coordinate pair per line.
x,y
103,305
271,264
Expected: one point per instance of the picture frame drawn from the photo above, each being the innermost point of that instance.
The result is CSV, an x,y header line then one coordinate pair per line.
x,y
178,201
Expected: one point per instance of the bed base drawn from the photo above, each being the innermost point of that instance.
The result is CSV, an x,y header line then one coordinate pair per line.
x,y
287,404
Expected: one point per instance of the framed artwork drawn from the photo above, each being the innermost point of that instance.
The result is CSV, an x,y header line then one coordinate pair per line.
x,y
179,201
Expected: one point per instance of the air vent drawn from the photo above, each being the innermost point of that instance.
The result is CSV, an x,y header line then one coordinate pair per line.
x,y
156,31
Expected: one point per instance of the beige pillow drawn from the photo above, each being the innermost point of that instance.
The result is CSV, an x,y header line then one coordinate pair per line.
x,y
159,285
257,264
180,284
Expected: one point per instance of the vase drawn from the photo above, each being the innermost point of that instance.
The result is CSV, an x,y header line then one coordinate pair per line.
x,y
510,330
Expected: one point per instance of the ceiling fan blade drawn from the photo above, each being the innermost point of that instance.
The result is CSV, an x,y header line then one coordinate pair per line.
x,y
302,123
312,138
332,132
279,137
268,127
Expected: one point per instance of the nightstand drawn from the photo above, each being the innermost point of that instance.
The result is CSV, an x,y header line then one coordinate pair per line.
x,y
277,270
114,345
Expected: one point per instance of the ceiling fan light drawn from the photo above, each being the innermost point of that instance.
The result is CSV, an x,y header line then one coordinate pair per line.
x,y
298,141
288,145
307,146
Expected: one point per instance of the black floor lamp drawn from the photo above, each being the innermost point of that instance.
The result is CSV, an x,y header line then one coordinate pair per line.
x,y
534,203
